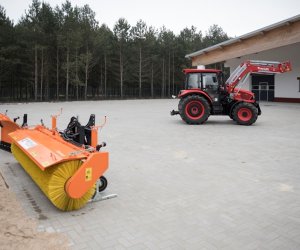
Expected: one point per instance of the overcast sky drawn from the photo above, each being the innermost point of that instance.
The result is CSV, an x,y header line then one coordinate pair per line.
x,y
236,17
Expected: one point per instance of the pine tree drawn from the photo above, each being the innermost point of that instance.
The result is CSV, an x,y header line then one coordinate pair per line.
x,y
121,32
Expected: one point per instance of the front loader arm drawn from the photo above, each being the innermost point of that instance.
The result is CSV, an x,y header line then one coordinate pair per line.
x,y
252,66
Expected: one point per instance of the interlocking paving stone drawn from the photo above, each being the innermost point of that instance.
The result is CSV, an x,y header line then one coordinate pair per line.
x,y
214,186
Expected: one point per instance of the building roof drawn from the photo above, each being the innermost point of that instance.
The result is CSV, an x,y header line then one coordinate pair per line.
x,y
186,71
261,31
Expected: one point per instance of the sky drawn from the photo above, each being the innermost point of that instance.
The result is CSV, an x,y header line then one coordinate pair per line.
x,y
236,17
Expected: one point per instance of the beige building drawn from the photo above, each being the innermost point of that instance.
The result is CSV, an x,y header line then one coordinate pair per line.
x,y
277,42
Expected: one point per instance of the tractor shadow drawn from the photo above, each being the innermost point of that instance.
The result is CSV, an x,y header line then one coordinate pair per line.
x,y
220,122
209,123
216,122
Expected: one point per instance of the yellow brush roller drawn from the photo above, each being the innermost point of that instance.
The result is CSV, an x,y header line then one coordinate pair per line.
x,y
52,181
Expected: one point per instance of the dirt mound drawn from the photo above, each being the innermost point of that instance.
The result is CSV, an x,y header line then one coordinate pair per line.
x,y
17,231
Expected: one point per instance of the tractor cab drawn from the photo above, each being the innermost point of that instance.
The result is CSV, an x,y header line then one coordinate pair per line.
x,y
208,80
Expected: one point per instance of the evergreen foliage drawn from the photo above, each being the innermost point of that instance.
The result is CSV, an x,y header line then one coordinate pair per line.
x,y
63,53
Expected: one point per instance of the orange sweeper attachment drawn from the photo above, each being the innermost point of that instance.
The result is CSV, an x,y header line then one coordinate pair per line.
x,y
67,165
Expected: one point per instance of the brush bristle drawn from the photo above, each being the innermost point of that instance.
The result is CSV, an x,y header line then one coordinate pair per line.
x,y
52,181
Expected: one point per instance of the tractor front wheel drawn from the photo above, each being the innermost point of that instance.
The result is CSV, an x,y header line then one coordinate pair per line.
x,y
194,109
245,113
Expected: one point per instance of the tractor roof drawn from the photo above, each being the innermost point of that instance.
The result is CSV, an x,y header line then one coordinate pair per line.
x,y
186,71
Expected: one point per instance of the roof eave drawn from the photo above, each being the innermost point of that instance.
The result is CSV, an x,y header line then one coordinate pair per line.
x,y
288,21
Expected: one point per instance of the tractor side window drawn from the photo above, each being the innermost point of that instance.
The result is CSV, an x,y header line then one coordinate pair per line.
x,y
210,81
193,81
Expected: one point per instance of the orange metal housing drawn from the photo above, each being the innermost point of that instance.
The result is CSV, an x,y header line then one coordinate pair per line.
x,y
87,175
7,126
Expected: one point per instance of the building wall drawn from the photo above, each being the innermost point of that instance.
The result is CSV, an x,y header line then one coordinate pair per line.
x,y
286,85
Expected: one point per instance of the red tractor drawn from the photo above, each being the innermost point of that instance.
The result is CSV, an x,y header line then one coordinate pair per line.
x,y
206,93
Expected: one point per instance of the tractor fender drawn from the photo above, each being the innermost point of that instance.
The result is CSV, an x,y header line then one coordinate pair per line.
x,y
184,93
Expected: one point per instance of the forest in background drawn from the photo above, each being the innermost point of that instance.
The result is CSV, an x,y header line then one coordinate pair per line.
x,y
63,53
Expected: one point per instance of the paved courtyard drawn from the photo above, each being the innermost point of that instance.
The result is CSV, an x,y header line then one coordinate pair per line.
x,y
213,186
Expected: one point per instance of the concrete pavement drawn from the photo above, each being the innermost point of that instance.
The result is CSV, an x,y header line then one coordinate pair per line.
x,y
212,186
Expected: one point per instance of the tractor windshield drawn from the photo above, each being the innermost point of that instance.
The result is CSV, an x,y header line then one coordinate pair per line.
x,y
210,81
193,81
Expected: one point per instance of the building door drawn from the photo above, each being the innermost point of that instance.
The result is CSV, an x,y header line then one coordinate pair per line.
x,y
263,87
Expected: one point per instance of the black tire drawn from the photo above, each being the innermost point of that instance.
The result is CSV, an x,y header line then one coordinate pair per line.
x,y
103,185
245,113
194,109
180,104
231,117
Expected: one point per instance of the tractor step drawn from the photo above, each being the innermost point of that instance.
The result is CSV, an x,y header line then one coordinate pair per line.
x,y
217,108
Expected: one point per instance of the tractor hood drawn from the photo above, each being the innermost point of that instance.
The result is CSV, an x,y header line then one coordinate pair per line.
x,y
242,94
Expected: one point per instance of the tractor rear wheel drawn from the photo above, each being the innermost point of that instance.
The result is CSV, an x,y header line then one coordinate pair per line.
x,y
245,113
194,109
